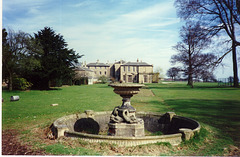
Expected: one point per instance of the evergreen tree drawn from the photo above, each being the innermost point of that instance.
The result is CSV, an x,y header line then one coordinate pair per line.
x,y
57,61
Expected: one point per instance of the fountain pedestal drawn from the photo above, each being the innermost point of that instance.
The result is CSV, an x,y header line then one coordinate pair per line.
x,y
123,121
125,129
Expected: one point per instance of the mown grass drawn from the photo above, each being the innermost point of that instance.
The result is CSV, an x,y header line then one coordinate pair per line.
x,y
212,106
35,105
216,108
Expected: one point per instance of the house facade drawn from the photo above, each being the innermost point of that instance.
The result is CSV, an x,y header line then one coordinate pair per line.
x,y
83,72
136,72
127,72
116,68
100,69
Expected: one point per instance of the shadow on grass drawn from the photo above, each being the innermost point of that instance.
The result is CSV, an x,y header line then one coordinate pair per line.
x,y
13,91
222,114
19,91
162,106
189,88
50,89
104,86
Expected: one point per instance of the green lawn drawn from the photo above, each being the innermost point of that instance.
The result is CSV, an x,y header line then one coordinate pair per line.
x,y
35,105
217,109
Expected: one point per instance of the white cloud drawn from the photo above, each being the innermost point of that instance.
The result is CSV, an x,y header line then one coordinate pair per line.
x,y
112,35
86,3
152,12
139,34
157,15
13,5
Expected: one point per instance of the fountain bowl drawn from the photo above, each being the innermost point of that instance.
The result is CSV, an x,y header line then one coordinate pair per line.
x,y
126,89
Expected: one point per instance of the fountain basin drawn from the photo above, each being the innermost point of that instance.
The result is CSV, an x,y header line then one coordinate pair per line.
x,y
126,88
93,126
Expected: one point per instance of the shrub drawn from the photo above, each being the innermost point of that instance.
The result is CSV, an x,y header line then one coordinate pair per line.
x,y
103,79
81,81
56,83
21,84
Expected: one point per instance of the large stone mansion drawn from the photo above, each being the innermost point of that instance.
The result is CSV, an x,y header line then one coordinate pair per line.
x,y
127,72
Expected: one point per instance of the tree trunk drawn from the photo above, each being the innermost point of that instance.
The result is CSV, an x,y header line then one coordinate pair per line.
x,y
190,80
44,84
190,69
235,68
10,82
234,51
49,84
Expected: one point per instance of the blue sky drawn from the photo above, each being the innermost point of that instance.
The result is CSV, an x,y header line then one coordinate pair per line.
x,y
105,30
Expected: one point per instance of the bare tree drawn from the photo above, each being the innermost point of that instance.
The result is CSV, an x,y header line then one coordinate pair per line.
x,y
220,17
207,76
204,66
159,70
193,42
14,47
238,6
173,72
190,48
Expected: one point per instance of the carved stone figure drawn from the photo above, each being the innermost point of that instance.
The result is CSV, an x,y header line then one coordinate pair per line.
x,y
123,115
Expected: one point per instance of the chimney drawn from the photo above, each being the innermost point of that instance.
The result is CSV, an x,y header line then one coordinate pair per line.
x,y
137,60
98,61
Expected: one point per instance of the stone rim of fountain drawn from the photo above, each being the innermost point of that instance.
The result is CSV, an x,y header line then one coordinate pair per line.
x,y
61,128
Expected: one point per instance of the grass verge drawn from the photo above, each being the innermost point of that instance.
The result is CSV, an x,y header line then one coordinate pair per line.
x,y
217,109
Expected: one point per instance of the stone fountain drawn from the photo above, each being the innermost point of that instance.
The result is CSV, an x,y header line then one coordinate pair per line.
x,y
123,121
124,126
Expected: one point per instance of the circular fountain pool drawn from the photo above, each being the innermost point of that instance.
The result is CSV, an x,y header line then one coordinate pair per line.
x,y
93,127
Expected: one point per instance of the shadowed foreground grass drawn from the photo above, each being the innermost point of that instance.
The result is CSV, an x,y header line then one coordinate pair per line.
x,y
216,106
217,109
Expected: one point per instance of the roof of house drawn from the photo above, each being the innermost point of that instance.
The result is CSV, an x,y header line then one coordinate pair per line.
x,y
83,69
97,65
120,62
136,64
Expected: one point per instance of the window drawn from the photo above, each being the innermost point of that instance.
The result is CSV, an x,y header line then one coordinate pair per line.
x,y
130,78
105,73
124,77
134,69
100,73
128,68
145,78
95,67
124,68
135,79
